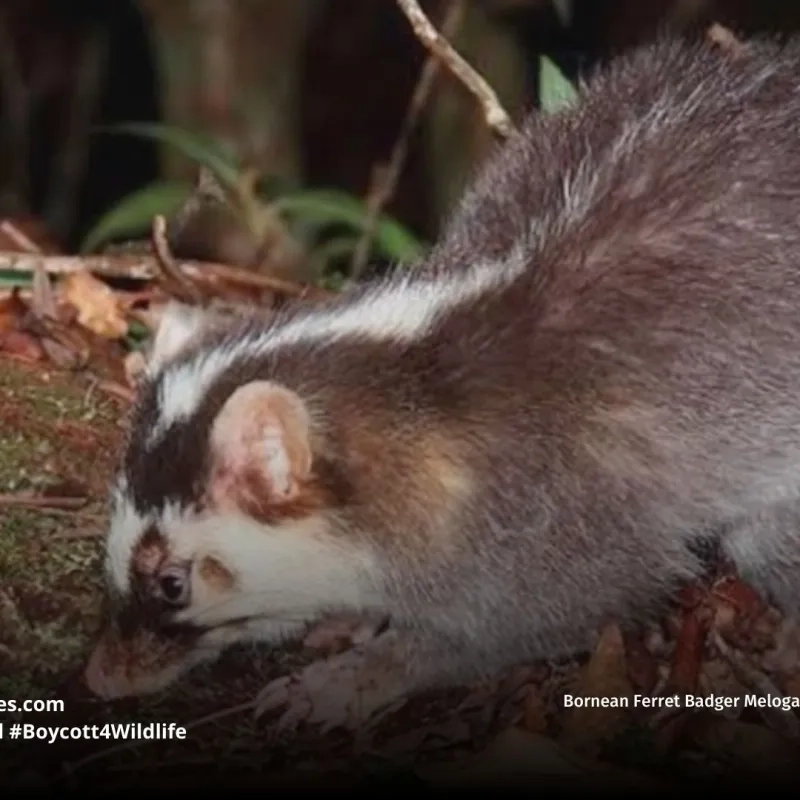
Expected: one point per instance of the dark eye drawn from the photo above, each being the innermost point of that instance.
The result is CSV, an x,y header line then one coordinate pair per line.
x,y
173,585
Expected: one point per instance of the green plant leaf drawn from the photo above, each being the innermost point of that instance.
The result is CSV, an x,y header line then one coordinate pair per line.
x,y
138,335
328,206
555,91
198,147
11,279
134,213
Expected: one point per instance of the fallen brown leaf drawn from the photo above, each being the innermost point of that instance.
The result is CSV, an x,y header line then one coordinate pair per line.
x,y
62,356
688,654
534,716
717,677
135,365
642,665
43,302
12,311
739,596
98,308
21,345
606,675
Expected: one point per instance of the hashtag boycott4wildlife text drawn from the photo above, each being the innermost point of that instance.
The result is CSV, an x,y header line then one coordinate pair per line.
x,y
128,730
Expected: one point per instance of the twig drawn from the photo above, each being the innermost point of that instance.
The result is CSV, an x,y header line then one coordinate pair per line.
x,y
386,176
496,117
169,268
145,268
117,390
19,237
41,501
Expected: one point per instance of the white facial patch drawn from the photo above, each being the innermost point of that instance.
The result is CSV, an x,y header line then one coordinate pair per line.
x,y
290,573
125,530
401,310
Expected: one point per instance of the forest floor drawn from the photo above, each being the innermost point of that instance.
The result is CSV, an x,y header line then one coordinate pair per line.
x,y
60,436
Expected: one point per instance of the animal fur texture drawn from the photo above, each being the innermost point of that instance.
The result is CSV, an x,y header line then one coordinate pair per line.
x,y
595,369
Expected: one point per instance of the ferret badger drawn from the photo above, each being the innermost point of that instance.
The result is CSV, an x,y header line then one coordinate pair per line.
x,y
526,435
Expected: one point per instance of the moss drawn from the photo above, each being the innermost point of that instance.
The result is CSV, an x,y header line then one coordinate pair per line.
x,y
51,429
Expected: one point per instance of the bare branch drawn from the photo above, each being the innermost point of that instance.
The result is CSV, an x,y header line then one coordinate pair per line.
x,y
186,289
145,268
386,176
19,237
496,117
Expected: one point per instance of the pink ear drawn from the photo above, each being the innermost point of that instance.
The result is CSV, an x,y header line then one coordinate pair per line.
x,y
261,451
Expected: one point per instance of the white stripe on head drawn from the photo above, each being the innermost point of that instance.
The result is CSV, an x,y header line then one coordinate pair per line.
x,y
125,529
401,310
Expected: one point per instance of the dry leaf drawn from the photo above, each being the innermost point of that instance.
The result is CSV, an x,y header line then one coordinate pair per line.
x,y
688,654
732,592
62,356
534,718
135,365
718,678
12,312
606,675
21,345
98,308
43,303
642,665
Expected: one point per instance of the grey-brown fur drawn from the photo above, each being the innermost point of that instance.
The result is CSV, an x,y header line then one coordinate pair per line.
x,y
635,390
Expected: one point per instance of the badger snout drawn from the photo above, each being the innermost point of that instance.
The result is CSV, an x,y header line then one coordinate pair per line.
x,y
141,664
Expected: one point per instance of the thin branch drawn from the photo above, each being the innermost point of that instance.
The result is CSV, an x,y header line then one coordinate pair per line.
x,y
41,501
117,390
145,268
496,117
386,176
172,274
19,237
